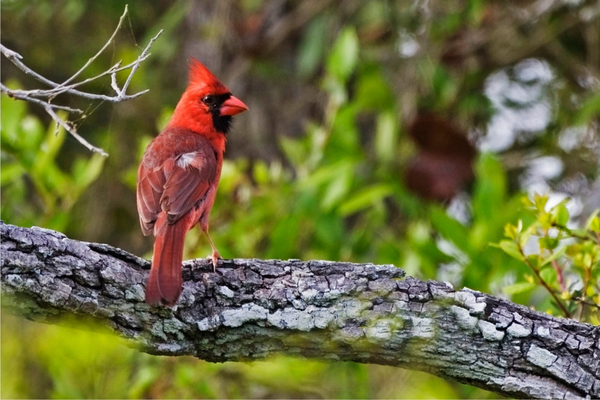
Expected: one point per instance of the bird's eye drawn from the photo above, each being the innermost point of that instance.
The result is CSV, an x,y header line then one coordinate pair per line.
x,y
208,100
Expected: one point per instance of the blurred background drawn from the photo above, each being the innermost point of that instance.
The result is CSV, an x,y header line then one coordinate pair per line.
x,y
402,132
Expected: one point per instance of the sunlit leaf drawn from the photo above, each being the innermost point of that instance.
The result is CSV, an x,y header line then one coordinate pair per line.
x,y
337,190
549,275
517,288
490,187
593,222
549,243
89,171
13,112
555,255
386,136
561,214
510,231
511,249
365,198
344,55
10,172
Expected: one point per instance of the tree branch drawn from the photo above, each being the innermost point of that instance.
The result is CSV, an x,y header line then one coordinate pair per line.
x,y
251,309
48,95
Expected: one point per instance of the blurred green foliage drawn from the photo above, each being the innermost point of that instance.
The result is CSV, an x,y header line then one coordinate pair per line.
x,y
38,190
567,262
332,191
94,364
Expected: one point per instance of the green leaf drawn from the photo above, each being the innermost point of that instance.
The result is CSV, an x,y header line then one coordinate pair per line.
x,y
336,90
337,190
549,275
477,10
142,381
326,174
517,288
523,237
588,110
163,119
593,220
10,172
386,136
13,112
490,188
50,147
88,172
32,132
554,256
373,91
312,47
260,172
549,243
365,198
344,55
540,202
535,261
344,140
511,248
444,86
561,214
595,225
450,228
510,231
296,150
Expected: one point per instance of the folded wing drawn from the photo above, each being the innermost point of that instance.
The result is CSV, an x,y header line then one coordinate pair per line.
x,y
174,187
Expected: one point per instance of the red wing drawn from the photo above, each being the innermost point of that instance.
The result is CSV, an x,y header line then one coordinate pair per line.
x,y
150,187
189,182
174,187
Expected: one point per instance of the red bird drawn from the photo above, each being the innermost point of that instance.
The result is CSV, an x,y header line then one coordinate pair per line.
x,y
178,177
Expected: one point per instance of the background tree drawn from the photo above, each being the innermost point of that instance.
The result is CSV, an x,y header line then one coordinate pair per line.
x,y
320,166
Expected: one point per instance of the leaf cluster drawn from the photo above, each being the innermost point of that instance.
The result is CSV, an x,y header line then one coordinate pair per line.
x,y
564,260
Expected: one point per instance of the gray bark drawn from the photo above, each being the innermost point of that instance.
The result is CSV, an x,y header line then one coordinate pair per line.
x,y
250,309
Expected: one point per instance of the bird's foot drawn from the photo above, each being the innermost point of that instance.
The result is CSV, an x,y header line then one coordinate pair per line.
x,y
215,257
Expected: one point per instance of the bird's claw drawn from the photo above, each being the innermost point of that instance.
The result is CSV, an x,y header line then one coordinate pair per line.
x,y
215,257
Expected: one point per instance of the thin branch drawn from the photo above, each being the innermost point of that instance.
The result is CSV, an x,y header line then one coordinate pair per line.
x,y
559,274
91,60
559,303
16,58
71,129
35,96
15,94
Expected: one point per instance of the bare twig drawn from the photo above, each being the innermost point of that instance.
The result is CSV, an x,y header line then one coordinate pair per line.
x,y
91,60
559,303
71,129
559,274
45,97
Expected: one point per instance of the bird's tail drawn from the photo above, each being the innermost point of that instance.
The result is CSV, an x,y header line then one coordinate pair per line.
x,y
164,283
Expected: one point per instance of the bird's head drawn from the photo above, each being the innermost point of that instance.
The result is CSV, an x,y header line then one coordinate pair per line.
x,y
206,102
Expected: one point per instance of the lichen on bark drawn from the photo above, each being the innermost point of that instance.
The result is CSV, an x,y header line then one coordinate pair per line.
x,y
251,309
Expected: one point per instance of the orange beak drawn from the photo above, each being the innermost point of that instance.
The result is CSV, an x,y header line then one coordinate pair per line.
x,y
233,106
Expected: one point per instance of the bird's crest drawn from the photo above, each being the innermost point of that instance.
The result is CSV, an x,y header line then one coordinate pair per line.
x,y
199,75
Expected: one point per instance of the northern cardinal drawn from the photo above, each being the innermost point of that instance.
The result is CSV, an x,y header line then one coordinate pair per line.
x,y
178,177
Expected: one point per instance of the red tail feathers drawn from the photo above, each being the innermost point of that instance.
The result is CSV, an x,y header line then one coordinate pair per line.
x,y
164,283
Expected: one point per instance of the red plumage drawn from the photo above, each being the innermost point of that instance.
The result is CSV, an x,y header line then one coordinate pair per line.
x,y
178,177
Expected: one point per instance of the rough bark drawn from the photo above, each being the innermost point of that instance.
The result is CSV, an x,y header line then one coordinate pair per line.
x,y
251,309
